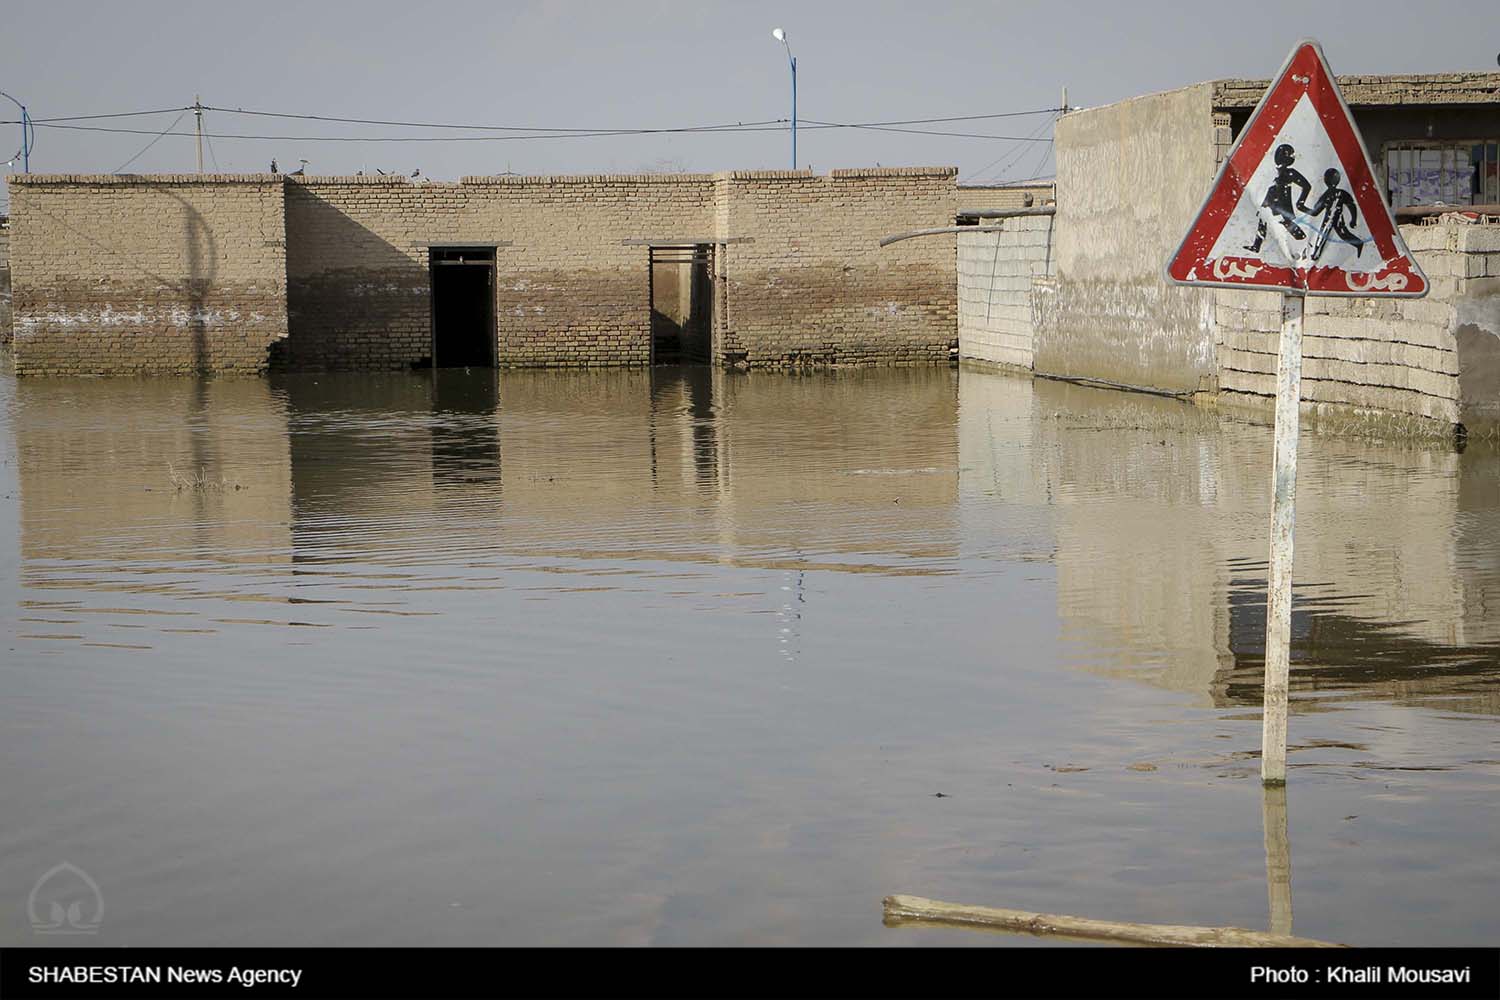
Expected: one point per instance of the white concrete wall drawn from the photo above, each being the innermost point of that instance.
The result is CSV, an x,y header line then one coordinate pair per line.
x,y
1130,178
996,272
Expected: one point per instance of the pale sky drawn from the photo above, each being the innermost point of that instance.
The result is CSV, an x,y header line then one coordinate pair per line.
x,y
656,64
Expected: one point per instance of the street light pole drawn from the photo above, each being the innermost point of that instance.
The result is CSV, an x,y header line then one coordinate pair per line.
x,y
27,131
780,36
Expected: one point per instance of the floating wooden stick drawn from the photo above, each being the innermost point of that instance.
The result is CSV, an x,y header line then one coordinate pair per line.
x,y
915,909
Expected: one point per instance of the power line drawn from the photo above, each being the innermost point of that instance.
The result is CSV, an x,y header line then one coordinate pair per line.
x,y
434,138
482,128
699,129
213,157
1039,161
148,145
533,132
1011,156
522,128
83,118
918,131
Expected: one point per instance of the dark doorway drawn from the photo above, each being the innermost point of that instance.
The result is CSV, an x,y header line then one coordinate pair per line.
x,y
682,312
463,307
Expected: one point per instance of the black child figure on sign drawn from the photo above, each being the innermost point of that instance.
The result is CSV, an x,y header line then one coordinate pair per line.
x,y
1331,205
1278,197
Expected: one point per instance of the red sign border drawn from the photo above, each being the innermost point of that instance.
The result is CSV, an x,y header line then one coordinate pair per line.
x,y
1252,146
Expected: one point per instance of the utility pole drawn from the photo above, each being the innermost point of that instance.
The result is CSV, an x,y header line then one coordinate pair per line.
x,y
1065,99
28,133
198,113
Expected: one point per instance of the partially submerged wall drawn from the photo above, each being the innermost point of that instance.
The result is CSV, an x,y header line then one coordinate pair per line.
x,y
571,289
232,273
5,331
996,302
1421,365
168,273
1130,178
808,282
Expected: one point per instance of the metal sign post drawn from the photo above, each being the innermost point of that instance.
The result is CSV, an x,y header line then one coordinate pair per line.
x,y
1257,230
1283,520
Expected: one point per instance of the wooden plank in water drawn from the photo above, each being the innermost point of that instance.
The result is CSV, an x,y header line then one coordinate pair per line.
x,y
915,909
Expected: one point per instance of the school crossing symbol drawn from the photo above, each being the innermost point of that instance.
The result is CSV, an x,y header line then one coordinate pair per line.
x,y
1296,205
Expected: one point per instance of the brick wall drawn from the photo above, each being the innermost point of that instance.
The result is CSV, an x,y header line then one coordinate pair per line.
x,y
808,283
232,273
5,332
978,197
1398,358
570,290
1414,89
995,288
119,274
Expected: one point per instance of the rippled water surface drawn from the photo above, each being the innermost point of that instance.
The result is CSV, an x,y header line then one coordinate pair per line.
x,y
686,657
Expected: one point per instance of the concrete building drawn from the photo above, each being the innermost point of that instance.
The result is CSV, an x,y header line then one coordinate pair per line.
x,y
238,273
1082,294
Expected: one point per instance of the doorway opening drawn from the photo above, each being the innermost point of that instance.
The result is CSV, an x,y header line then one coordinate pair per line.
x,y
682,303
463,306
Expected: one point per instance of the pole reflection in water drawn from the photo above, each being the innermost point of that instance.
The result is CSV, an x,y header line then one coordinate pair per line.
x,y
1278,857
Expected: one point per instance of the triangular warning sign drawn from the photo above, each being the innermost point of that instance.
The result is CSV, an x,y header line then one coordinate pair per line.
x,y
1296,204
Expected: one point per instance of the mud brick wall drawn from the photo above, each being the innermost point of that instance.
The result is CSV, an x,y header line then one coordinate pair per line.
x,y
1412,89
808,283
1409,362
5,282
570,289
167,273
235,273
980,197
996,274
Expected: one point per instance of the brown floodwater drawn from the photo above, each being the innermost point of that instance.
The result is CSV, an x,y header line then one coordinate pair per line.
x,y
688,657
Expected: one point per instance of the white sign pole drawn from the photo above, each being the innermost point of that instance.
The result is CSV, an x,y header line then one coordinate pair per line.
x,y
1283,518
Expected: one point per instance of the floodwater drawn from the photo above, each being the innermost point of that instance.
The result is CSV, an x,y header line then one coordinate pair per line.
x,y
691,657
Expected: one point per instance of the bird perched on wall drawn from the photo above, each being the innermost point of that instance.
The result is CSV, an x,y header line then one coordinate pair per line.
x,y
417,172
300,170
273,167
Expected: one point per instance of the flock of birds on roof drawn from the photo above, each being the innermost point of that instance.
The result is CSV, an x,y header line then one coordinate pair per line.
x,y
303,169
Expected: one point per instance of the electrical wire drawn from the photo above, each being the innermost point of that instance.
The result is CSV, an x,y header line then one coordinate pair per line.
x,y
1039,161
917,131
529,132
432,138
1011,156
122,114
480,128
704,129
523,128
148,145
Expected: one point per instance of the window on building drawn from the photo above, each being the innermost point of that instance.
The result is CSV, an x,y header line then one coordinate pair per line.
x,y
1450,172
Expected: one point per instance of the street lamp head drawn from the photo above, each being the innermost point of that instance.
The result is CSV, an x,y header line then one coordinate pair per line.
x,y
778,34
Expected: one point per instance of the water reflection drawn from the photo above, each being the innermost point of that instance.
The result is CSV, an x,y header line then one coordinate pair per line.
x,y
1151,511
1278,858
685,656
1158,513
